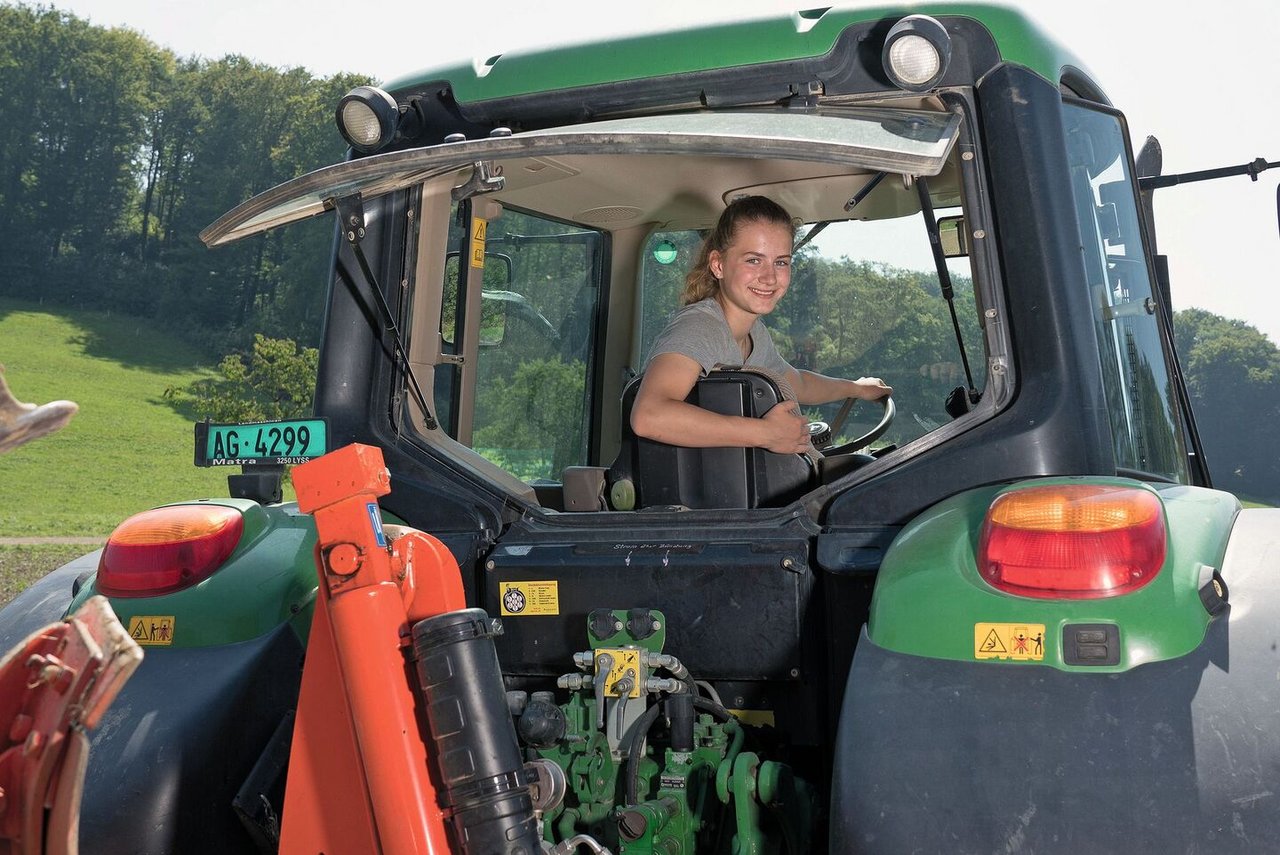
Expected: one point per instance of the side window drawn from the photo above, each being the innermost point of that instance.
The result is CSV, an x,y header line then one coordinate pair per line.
x,y
1140,398
531,375
864,300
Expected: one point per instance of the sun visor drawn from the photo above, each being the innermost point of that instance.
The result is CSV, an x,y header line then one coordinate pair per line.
x,y
911,142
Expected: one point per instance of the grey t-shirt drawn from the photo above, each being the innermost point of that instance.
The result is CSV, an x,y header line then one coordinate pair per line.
x,y
700,332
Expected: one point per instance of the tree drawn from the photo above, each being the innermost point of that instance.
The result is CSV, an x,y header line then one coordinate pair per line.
x,y
1233,376
278,383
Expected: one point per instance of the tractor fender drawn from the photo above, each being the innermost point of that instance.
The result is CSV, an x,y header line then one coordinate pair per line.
x,y
1172,754
191,755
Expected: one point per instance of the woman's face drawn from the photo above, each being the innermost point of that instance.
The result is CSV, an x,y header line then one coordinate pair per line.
x,y
755,268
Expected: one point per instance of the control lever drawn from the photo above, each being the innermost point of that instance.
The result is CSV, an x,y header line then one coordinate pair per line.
x,y
604,664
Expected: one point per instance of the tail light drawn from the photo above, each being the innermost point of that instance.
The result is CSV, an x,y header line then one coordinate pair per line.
x,y
167,549
1072,541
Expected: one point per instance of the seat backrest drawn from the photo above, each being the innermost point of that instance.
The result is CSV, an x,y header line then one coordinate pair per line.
x,y
661,474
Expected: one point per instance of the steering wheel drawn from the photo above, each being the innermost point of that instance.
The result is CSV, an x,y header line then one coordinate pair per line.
x,y
877,431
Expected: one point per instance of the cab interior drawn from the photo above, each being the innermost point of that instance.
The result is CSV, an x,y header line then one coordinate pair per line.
x,y
526,355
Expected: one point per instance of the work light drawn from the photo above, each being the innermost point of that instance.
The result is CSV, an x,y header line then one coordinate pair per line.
x,y
916,53
367,118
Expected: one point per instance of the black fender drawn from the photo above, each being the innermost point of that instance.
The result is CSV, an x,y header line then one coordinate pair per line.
x,y
180,746
1180,755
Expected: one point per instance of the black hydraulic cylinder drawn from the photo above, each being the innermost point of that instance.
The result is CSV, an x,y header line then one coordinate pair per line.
x,y
485,784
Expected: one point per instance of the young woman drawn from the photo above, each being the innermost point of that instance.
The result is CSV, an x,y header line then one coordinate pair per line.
x,y
742,271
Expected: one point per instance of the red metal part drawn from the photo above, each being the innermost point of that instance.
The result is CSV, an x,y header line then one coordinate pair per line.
x,y
359,757
53,687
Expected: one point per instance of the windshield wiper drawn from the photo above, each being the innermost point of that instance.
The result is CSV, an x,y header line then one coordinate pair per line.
x,y
862,193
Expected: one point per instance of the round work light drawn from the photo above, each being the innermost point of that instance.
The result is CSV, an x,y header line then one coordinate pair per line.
x,y
367,118
916,53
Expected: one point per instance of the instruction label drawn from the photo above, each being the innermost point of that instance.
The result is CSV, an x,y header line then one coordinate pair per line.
x,y
624,663
529,598
1023,642
478,228
152,629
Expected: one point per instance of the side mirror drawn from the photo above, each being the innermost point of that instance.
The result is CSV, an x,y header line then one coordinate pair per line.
x,y
954,236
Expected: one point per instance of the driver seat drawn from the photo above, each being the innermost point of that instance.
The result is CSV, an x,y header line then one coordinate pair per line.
x,y
649,474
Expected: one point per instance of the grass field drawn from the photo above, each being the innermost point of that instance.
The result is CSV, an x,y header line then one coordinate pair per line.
x,y
129,447
22,565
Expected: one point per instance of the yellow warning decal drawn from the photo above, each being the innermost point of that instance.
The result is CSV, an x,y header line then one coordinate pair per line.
x,y
152,629
624,664
529,598
478,227
1022,642
756,718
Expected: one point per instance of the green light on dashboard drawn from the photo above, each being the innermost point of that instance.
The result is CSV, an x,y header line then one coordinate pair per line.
x,y
665,252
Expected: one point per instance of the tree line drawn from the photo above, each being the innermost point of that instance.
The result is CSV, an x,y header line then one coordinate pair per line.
x,y
115,153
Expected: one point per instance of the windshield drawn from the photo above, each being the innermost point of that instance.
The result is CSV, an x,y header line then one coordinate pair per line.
x,y
914,142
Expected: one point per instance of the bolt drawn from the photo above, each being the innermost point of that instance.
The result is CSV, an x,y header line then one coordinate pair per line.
x,y
968,155
979,234
795,672
990,313
617,626
739,702
490,564
657,625
787,563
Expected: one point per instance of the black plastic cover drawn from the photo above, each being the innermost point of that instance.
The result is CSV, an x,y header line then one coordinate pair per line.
x,y
1176,756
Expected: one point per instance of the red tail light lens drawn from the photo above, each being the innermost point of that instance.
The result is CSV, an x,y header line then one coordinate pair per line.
x,y
1072,541
167,549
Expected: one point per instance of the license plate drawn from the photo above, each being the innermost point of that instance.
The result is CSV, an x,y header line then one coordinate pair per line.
x,y
261,443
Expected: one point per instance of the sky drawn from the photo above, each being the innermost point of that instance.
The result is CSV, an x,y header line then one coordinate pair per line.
x,y
1203,84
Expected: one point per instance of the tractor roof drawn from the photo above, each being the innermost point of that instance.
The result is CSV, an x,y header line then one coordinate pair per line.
x,y
799,35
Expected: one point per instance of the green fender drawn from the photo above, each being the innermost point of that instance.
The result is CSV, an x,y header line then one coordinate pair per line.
x,y
929,597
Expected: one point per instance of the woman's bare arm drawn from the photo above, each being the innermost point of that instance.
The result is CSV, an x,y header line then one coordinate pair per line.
x,y
814,388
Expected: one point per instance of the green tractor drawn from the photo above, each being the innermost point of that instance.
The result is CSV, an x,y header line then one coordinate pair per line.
x,y
1006,611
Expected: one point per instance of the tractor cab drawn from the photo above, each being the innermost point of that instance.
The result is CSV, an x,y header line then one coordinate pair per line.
x,y
541,266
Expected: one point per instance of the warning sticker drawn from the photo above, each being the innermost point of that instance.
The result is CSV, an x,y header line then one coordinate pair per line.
x,y
478,227
152,629
624,665
1022,642
529,598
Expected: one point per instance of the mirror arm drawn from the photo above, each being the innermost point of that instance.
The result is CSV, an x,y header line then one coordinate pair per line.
x,y
1252,169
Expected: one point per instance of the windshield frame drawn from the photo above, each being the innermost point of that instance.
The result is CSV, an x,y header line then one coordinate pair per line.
x,y
921,139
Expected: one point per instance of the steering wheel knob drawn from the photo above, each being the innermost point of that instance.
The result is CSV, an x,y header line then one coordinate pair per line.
x,y
819,434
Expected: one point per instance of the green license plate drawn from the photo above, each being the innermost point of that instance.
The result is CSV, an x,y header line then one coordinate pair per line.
x,y
261,443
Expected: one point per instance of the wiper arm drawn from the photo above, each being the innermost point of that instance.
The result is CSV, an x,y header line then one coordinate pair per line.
x,y
863,192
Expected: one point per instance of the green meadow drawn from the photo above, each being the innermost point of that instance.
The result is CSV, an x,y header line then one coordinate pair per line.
x,y
130,446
